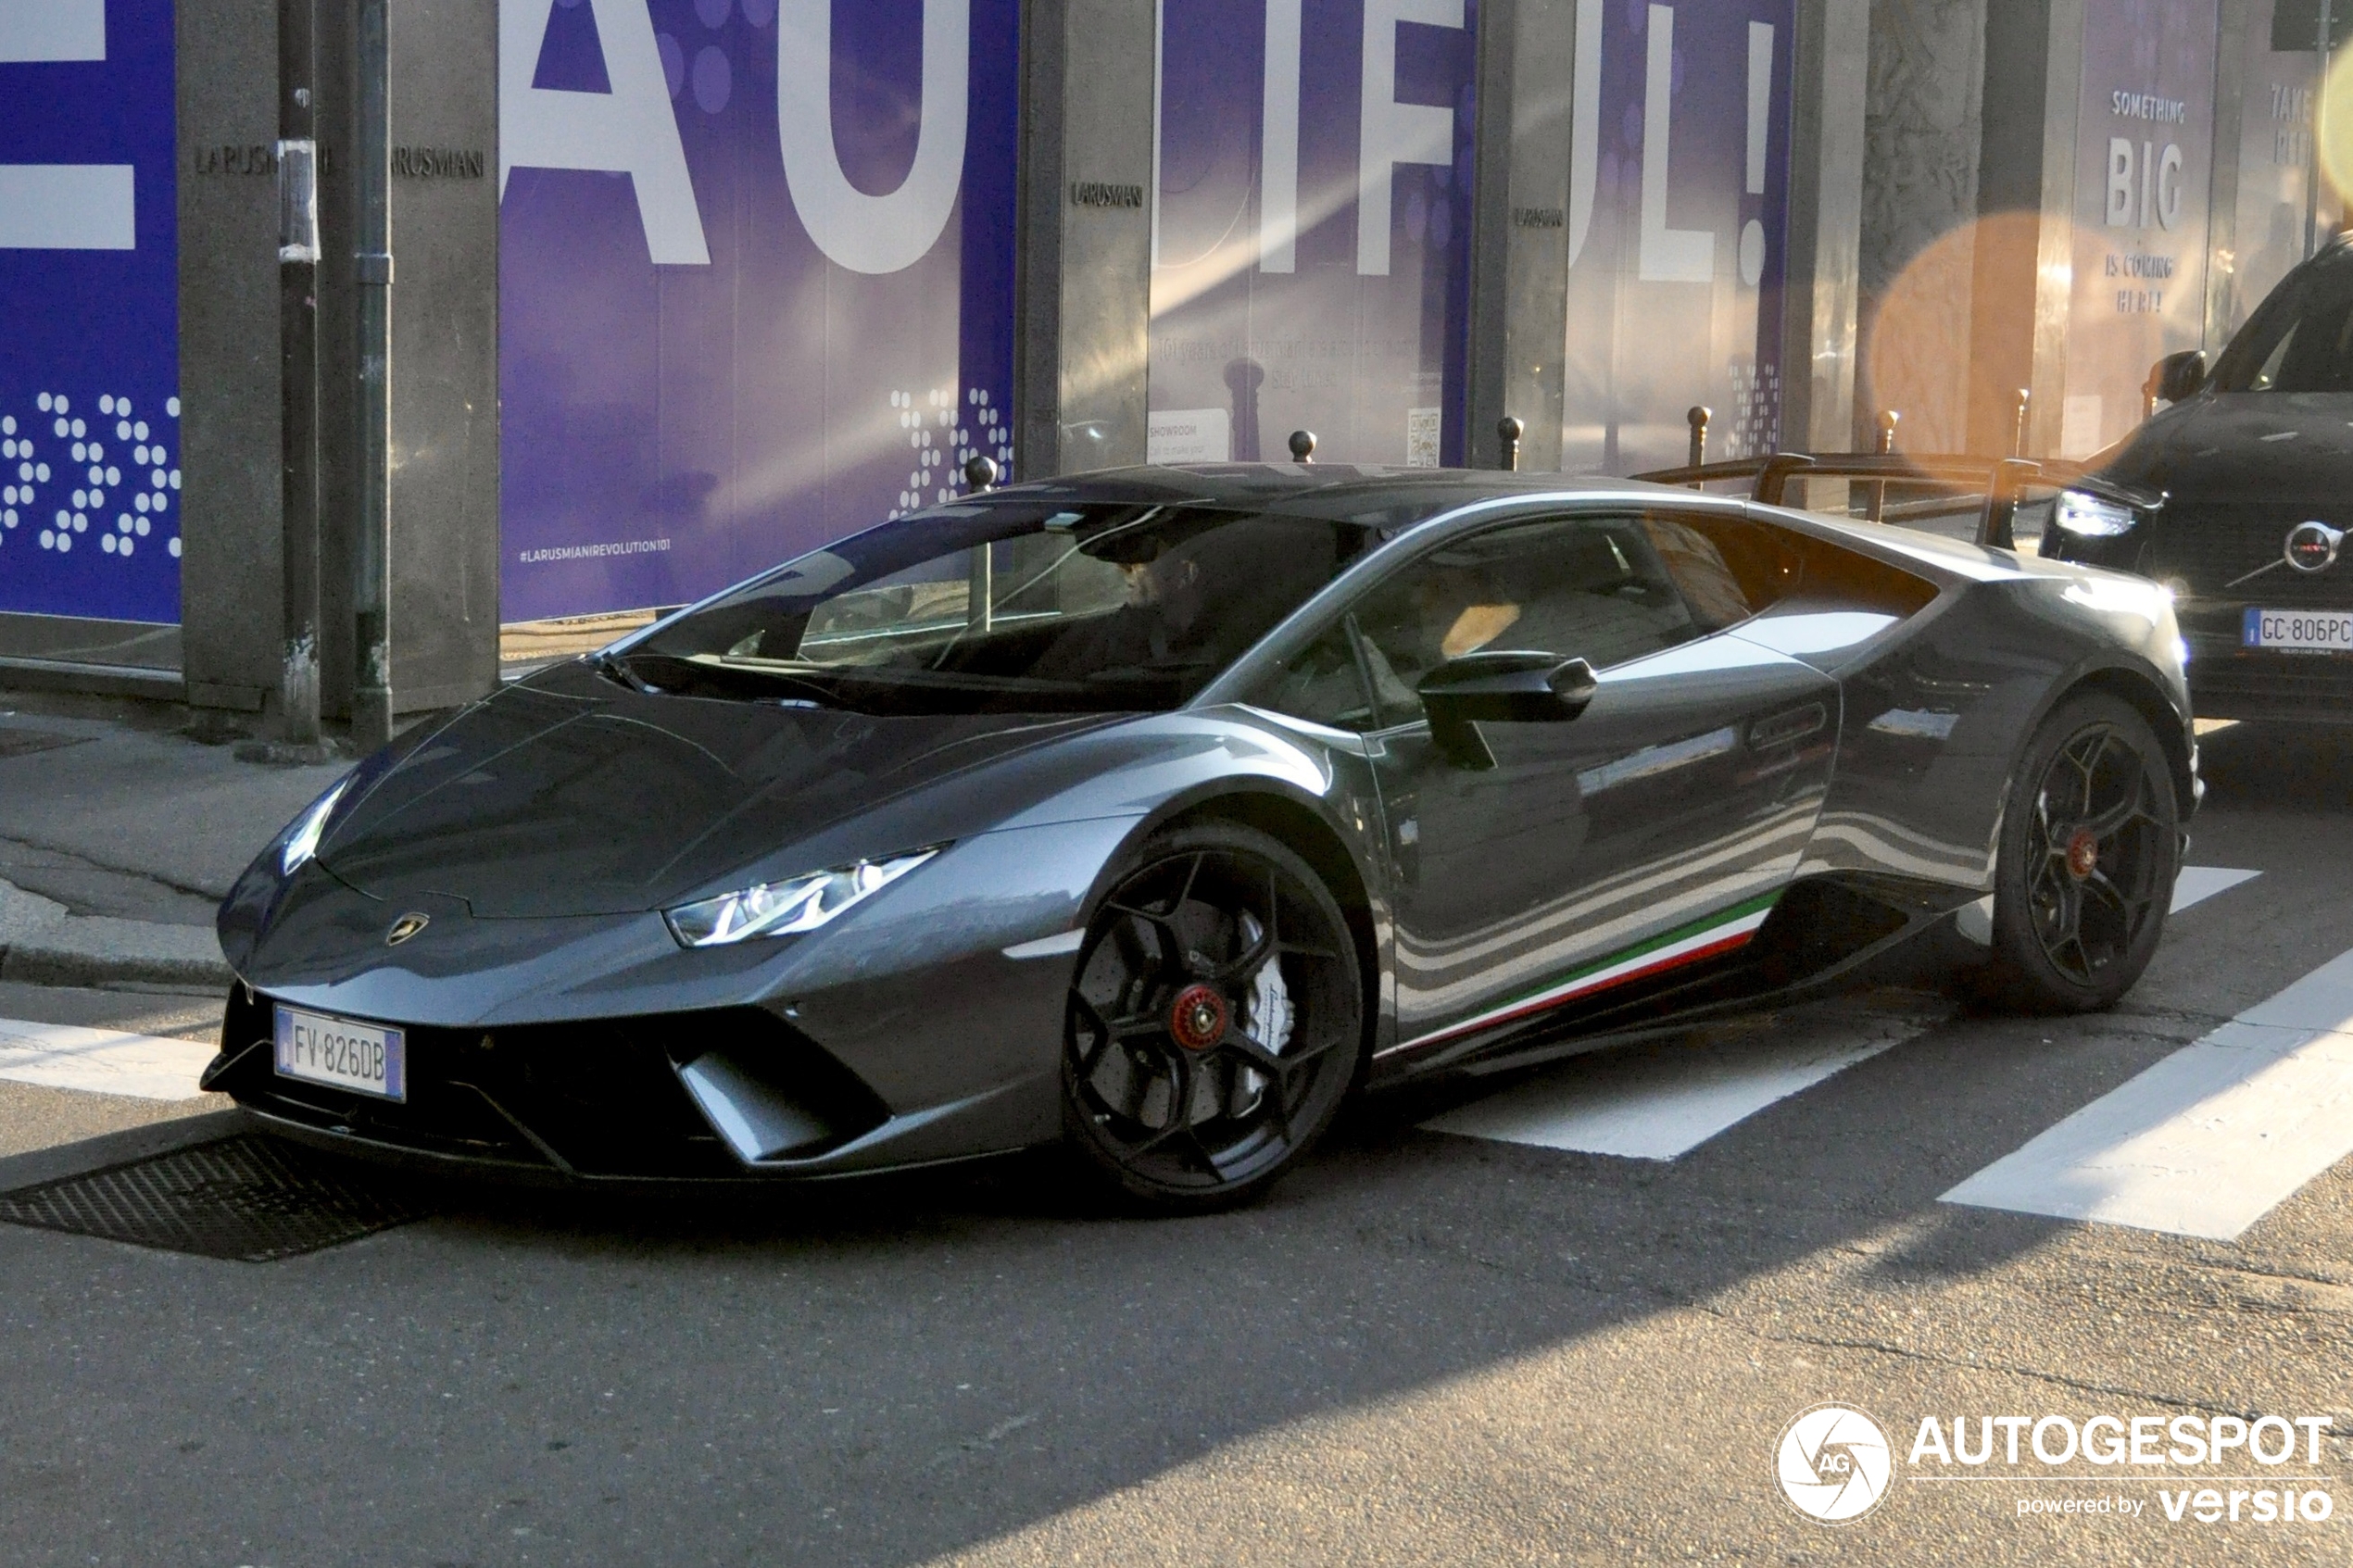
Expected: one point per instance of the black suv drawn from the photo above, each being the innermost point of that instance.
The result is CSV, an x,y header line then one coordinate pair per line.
x,y
2238,497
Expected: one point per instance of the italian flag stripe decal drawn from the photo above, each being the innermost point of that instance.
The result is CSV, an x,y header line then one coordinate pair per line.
x,y
1725,931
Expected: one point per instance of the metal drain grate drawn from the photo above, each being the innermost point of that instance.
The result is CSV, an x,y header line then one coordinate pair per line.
x,y
247,1198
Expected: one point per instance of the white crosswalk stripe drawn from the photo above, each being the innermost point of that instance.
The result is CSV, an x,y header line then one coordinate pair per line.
x,y
1664,1102
107,1062
2198,884
2209,1140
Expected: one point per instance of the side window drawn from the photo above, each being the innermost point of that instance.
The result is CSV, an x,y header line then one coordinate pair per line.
x,y
1596,588
2267,375
1729,567
1322,684
2300,338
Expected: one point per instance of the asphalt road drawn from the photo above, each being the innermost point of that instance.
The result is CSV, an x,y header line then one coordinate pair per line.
x,y
1426,1348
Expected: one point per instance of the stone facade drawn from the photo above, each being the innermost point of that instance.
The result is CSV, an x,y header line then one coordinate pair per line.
x,y
1921,140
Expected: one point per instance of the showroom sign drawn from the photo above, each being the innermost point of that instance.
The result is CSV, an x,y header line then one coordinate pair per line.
x,y
756,281
88,288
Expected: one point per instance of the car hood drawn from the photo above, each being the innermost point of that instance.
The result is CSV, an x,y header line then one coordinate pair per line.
x,y
568,795
2295,448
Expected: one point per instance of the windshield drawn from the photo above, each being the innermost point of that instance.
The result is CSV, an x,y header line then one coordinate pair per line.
x,y
2301,338
1004,607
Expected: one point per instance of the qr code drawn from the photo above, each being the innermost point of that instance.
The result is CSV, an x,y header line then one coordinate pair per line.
x,y
1421,438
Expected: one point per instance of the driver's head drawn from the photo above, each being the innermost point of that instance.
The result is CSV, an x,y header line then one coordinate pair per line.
x,y
1171,584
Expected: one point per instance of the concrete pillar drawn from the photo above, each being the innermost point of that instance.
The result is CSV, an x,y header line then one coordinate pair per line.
x,y
444,532
1922,133
1519,232
2024,263
230,402
445,348
444,352
1083,287
1827,138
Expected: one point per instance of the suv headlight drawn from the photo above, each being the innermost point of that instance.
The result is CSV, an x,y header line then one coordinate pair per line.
x,y
2092,517
303,834
780,909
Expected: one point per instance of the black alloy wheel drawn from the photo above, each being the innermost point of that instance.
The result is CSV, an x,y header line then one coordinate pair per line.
x,y
2091,844
1216,1021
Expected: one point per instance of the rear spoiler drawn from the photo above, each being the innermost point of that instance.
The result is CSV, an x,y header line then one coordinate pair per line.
x,y
2003,481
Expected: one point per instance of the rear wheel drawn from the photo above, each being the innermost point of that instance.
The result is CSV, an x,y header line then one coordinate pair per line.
x,y
2090,844
1216,1021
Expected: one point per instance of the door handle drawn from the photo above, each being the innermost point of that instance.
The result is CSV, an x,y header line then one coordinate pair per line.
x,y
1783,728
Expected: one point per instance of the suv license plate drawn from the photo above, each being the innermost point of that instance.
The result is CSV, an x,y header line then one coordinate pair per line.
x,y
2328,629
369,1058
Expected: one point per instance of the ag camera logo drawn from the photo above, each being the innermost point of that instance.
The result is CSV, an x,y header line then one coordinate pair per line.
x,y
1833,1464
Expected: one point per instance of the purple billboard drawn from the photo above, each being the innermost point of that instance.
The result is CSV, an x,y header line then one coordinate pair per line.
x,y
89,311
1312,232
756,281
1678,219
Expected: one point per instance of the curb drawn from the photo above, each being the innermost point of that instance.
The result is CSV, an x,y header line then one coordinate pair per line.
x,y
142,954
41,945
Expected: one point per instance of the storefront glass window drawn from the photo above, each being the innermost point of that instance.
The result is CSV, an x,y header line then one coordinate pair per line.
x,y
90,308
1679,200
2144,166
1312,235
756,281
2276,181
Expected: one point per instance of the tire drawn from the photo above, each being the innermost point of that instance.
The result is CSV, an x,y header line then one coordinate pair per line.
x,y
1216,1023
2091,843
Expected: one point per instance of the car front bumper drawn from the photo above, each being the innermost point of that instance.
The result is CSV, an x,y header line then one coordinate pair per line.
x,y
2228,679
927,1025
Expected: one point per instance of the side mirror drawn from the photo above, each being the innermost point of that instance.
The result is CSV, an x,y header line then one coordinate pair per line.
x,y
2178,376
1500,688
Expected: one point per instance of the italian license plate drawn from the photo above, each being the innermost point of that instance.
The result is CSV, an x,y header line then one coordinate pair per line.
x,y
2327,630
369,1058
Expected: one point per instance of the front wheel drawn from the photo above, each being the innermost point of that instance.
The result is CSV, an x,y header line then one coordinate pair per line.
x,y
1216,1021
2091,843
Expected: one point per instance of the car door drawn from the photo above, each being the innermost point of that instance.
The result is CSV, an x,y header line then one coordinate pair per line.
x,y
1651,831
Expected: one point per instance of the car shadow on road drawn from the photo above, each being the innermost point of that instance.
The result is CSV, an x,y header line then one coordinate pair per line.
x,y
2257,767
907,1367
983,1337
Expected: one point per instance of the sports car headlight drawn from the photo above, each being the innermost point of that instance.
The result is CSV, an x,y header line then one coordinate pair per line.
x,y
780,909
2092,517
302,836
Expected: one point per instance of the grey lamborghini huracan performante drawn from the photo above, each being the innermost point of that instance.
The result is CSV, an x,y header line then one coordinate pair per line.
x,y
1157,810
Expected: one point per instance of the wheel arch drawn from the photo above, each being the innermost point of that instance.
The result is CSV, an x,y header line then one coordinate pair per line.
x,y
2146,697
1301,829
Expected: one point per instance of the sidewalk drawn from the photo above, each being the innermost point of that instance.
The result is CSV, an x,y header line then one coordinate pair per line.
x,y
118,840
